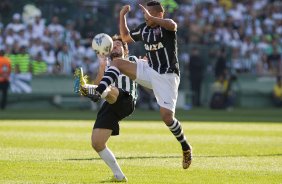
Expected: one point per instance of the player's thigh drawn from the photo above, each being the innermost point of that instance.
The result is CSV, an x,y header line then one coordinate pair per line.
x,y
112,95
107,119
124,105
100,136
127,68
165,87
143,74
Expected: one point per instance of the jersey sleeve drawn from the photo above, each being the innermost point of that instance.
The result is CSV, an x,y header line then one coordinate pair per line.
x,y
136,34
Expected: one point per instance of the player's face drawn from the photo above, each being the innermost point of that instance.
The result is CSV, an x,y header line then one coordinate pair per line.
x,y
118,50
154,13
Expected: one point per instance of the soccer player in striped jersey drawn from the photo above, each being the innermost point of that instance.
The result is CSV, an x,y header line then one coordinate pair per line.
x,y
120,102
160,73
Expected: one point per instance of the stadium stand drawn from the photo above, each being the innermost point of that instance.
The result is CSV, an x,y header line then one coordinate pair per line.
x,y
250,32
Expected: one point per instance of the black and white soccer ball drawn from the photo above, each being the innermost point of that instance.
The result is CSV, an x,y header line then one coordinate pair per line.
x,y
102,44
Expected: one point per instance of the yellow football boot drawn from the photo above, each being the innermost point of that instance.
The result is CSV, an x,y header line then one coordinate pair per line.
x,y
80,81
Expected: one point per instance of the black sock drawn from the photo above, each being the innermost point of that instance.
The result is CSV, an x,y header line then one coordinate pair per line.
x,y
110,76
177,131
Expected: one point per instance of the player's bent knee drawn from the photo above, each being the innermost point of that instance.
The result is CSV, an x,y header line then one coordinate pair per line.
x,y
167,118
117,63
98,145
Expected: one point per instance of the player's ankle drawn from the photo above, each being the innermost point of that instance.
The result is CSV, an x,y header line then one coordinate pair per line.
x,y
185,146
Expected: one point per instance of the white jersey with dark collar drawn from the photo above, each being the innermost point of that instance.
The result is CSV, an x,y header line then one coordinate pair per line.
x,y
125,83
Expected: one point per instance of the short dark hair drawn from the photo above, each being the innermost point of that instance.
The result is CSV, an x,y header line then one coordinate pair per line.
x,y
153,3
156,4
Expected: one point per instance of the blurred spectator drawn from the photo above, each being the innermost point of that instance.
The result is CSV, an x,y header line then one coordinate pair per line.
x,y
71,35
277,92
223,97
22,58
79,52
5,71
16,24
89,67
196,73
22,39
38,26
55,26
35,47
273,61
48,55
9,38
221,65
65,60
38,65
252,29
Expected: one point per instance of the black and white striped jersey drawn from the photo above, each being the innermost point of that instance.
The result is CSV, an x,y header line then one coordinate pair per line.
x,y
161,47
126,83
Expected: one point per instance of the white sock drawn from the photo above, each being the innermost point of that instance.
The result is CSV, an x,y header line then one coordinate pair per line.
x,y
111,161
89,85
105,92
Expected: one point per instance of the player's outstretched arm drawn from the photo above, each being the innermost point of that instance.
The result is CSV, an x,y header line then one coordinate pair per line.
x,y
123,28
168,24
101,70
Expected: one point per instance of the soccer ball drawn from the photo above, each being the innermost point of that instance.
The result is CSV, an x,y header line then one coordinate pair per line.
x,y
102,44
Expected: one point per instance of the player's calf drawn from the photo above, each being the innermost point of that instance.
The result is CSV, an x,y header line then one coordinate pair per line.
x,y
177,131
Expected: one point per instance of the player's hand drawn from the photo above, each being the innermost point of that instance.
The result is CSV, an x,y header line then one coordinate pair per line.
x,y
147,15
125,9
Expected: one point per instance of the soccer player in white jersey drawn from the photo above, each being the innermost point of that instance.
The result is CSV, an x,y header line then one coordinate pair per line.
x,y
120,102
160,73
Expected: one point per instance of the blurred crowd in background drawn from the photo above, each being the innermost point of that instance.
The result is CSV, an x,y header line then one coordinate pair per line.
x,y
251,30
219,36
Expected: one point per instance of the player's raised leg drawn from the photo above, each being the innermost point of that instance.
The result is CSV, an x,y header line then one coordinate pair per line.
x,y
112,73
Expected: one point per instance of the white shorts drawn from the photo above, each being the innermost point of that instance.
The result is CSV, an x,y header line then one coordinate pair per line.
x,y
164,86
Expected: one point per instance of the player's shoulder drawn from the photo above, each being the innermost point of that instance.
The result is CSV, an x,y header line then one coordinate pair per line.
x,y
142,25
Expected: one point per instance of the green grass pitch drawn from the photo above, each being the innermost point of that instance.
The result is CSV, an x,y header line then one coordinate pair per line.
x,y
59,151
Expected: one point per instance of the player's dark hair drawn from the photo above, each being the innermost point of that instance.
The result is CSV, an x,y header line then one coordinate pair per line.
x,y
153,3
157,5
124,44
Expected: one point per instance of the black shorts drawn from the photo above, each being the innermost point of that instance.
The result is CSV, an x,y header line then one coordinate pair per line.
x,y
109,115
